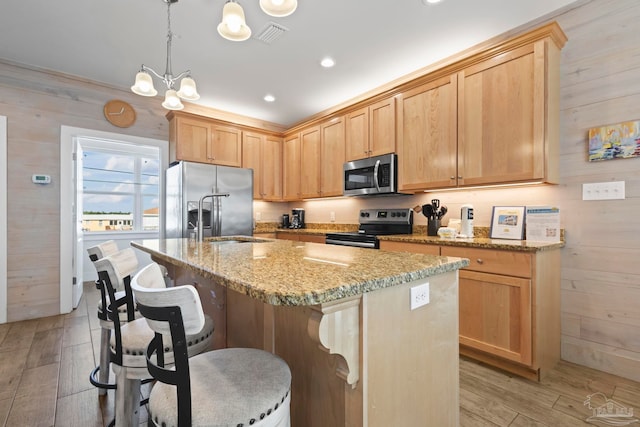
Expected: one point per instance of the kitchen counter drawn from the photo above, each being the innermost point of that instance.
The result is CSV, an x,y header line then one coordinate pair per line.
x,y
476,242
281,272
341,317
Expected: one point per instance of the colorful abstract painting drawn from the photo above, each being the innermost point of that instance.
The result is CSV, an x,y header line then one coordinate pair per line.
x,y
614,141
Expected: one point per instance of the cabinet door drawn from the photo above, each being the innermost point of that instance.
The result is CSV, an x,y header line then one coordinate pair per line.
x,y
291,168
252,145
272,169
416,248
332,158
495,315
225,146
427,141
191,139
502,119
310,162
382,127
357,134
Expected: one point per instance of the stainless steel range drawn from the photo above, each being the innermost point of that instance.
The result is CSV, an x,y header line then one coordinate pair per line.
x,y
373,223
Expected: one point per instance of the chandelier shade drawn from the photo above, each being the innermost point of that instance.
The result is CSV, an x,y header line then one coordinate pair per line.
x,y
144,81
278,8
233,26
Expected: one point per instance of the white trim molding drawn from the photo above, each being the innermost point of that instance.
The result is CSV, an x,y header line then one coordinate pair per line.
x,y
3,219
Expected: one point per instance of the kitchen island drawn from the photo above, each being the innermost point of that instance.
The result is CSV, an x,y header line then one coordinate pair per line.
x,y
340,317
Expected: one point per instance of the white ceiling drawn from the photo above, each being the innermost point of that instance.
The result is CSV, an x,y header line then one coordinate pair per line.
x,y
372,41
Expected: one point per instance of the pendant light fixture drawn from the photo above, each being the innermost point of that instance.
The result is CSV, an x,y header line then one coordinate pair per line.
x,y
144,82
234,26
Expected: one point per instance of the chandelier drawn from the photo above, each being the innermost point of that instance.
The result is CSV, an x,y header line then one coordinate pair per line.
x,y
144,82
234,27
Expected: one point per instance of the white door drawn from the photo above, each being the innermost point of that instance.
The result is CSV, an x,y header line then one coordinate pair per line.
x,y
78,249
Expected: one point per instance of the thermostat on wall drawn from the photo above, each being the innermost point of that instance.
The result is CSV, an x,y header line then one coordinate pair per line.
x,y
41,179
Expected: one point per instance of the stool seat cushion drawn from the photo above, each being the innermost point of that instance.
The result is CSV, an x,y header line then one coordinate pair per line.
x,y
229,387
137,335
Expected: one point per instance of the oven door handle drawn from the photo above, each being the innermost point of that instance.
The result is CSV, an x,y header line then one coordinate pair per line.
x,y
376,168
350,243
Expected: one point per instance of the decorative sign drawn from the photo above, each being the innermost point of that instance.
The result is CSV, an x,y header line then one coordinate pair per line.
x,y
614,141
543,223
507,222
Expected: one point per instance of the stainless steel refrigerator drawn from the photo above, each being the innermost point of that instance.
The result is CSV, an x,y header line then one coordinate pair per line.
x,y
227,214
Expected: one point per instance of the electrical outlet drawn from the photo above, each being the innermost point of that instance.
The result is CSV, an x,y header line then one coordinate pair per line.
x,y
419,295
258,216
603,190
332,216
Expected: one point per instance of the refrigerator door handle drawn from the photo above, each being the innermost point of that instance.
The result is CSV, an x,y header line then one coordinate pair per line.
x,y
216,220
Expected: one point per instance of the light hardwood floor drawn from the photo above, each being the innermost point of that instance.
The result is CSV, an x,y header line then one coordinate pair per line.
x,y
45,363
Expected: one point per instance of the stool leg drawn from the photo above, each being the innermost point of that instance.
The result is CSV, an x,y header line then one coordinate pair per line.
x,y
127,400
105,336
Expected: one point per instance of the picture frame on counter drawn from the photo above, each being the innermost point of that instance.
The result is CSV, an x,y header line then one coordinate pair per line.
x,y
507,222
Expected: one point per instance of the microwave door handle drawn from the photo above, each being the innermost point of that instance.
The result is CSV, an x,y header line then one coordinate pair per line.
x,y
375,175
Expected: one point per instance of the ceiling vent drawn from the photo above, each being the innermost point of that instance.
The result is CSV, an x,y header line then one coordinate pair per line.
x,y
271,32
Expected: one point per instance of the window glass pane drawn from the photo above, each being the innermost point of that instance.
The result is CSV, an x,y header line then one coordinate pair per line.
x,y
150,218
107,172
107,212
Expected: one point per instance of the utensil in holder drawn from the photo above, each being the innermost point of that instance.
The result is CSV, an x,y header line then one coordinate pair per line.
x,y
433,224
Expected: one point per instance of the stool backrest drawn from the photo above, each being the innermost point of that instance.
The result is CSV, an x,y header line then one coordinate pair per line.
x,y
102,250
176,312
149,289
118,267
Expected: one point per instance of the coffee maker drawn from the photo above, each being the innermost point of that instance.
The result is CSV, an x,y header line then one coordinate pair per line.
x,y
297,218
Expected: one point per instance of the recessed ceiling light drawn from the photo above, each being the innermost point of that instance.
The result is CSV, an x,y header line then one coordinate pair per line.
x,y
327,62
426,2
269,98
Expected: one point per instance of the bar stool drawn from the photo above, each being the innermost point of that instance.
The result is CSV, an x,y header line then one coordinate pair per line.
x,y
102,370
130,339
229,387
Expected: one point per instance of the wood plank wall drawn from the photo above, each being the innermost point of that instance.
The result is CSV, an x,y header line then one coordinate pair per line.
x,y
36,104
600,271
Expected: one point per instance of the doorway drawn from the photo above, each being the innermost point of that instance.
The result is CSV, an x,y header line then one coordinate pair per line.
x,y
74,263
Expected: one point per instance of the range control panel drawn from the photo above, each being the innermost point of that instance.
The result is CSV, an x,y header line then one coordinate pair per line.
x,y
386,216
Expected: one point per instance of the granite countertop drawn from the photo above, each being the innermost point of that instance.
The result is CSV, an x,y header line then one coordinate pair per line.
x,y
481,239
476,242
283,272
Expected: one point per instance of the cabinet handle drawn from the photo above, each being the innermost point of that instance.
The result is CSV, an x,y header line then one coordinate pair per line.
x,y
480,261
453,177
459,176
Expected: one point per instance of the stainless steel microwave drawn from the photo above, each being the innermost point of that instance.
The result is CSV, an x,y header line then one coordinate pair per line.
x,y
372,176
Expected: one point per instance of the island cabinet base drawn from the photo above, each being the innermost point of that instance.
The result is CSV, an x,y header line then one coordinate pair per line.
x,y
386,365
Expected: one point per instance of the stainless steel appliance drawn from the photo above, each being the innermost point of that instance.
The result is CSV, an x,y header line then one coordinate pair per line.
x,y
297,218
372,176
225,195
373,223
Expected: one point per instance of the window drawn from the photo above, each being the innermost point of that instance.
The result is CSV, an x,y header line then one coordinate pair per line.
x,y
120,186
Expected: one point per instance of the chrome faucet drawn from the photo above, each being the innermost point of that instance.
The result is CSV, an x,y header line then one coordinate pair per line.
x,y
200,225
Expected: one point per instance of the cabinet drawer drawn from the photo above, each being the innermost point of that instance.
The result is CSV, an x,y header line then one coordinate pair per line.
x,y
492,261
417,248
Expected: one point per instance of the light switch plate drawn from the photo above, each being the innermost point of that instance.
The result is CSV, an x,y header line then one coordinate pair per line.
x,y
603,190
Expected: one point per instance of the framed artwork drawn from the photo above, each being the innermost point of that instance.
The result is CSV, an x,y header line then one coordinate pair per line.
x,y
507,222
617,141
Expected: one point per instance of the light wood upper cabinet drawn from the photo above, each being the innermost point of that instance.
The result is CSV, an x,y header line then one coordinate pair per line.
x,y
225,146
321,159
310,162
427,135
189,139
291,168
504,129
371,130
202,140
332,158
263,154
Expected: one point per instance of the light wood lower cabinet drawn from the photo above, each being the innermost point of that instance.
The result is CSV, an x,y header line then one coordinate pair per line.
x,y
509,306
296,237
